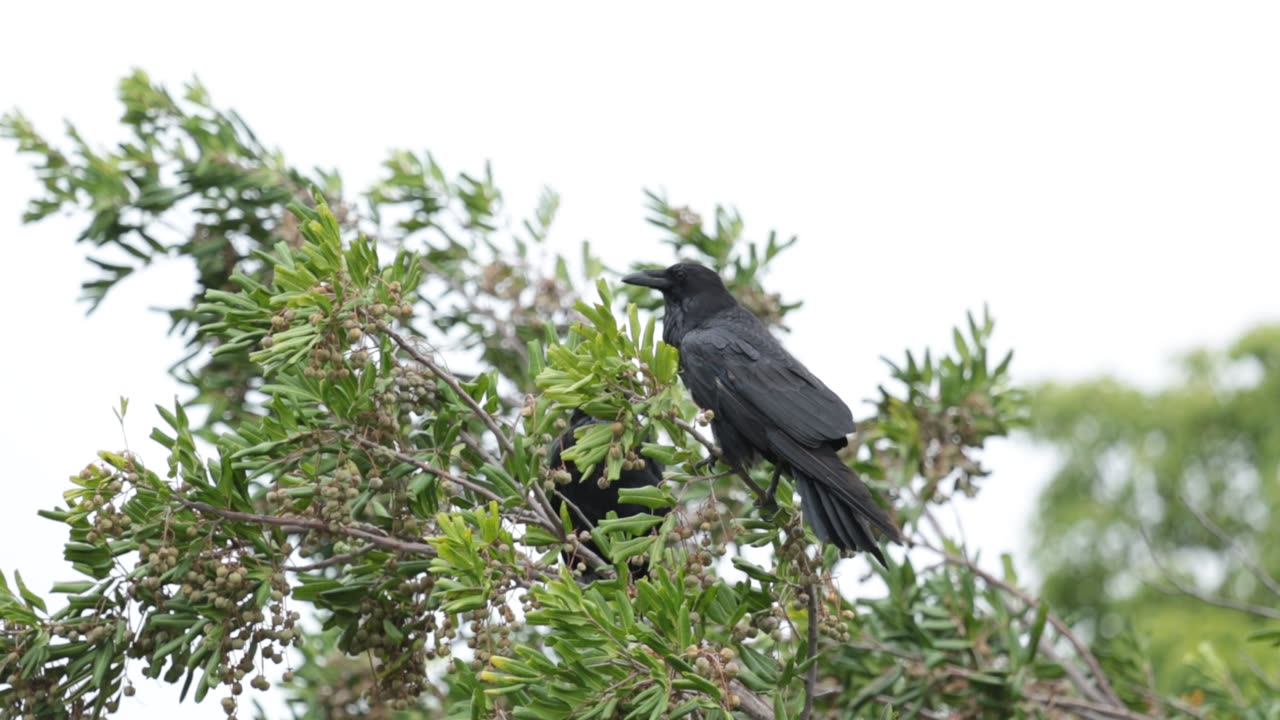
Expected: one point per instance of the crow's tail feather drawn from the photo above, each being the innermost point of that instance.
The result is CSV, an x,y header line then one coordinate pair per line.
x,y
833,521
837,505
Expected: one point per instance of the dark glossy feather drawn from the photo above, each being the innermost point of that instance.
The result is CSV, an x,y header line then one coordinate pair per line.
x,y
737,355
766,403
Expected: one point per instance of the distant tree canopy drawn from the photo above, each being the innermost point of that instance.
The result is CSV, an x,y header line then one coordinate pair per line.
x,y
1166,499
374,381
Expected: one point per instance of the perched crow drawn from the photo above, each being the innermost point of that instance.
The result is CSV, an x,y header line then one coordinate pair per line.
x,y
765,403
589,497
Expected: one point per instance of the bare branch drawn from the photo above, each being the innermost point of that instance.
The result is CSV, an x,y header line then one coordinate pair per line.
x,y
329,562
550,517
719,455
811,675
751,704
1086,708
576,511
449,379
692,431
427,468
1181,588
300,524
1177,587
1099,677
1078,680
1261,575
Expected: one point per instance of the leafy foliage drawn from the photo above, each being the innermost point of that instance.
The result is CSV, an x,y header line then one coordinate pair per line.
x,y
190,180
1164,503
352,476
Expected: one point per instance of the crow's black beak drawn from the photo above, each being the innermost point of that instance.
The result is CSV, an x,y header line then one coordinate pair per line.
x,y
649,278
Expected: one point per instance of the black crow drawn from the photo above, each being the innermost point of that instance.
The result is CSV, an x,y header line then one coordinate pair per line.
x,y
586,494
765,403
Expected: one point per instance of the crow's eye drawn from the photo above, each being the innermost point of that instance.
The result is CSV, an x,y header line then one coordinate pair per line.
x,y
679,274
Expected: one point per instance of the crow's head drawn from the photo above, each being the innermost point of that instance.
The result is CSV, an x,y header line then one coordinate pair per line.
x,y
680,282
692,293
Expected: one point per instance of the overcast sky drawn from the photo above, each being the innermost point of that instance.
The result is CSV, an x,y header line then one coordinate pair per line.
x,y
1104,175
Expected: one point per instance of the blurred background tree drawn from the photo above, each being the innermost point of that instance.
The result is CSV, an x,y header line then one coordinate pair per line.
x,y
357,493
1162,516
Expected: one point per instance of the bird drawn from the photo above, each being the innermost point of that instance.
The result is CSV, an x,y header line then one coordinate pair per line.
x,y
766,403
593,501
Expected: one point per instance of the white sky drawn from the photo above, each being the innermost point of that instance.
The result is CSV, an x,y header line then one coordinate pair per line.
x,y
1104,175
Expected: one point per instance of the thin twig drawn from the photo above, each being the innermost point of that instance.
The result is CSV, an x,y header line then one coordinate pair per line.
x,y
1084,706
1081,683
811,675
552,523
427,468
1258,573
1263,676
1099,677
505,328
1179,587
300,524
449,379
576,511
328,562
1045,647
751,704
549,514
691,430
718,454
296,524
553,517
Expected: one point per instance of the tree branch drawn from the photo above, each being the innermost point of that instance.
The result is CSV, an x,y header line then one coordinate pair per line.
x,y
299,524
329,562
505,328
1179,587
1258,572
576,511
550,517
449,379
811,675
751,704
692,431
1086,707
1099,677
427,468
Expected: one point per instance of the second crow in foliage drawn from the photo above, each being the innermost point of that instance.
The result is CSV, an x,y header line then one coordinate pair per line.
x,y
593,501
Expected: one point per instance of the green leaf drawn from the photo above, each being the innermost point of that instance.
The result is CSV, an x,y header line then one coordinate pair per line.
x,y
647,496
1037,630
879,685
33,601
754,571
74,587
392,631
633,525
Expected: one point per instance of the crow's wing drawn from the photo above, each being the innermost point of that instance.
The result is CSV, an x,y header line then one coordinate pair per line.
x,y
738,370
